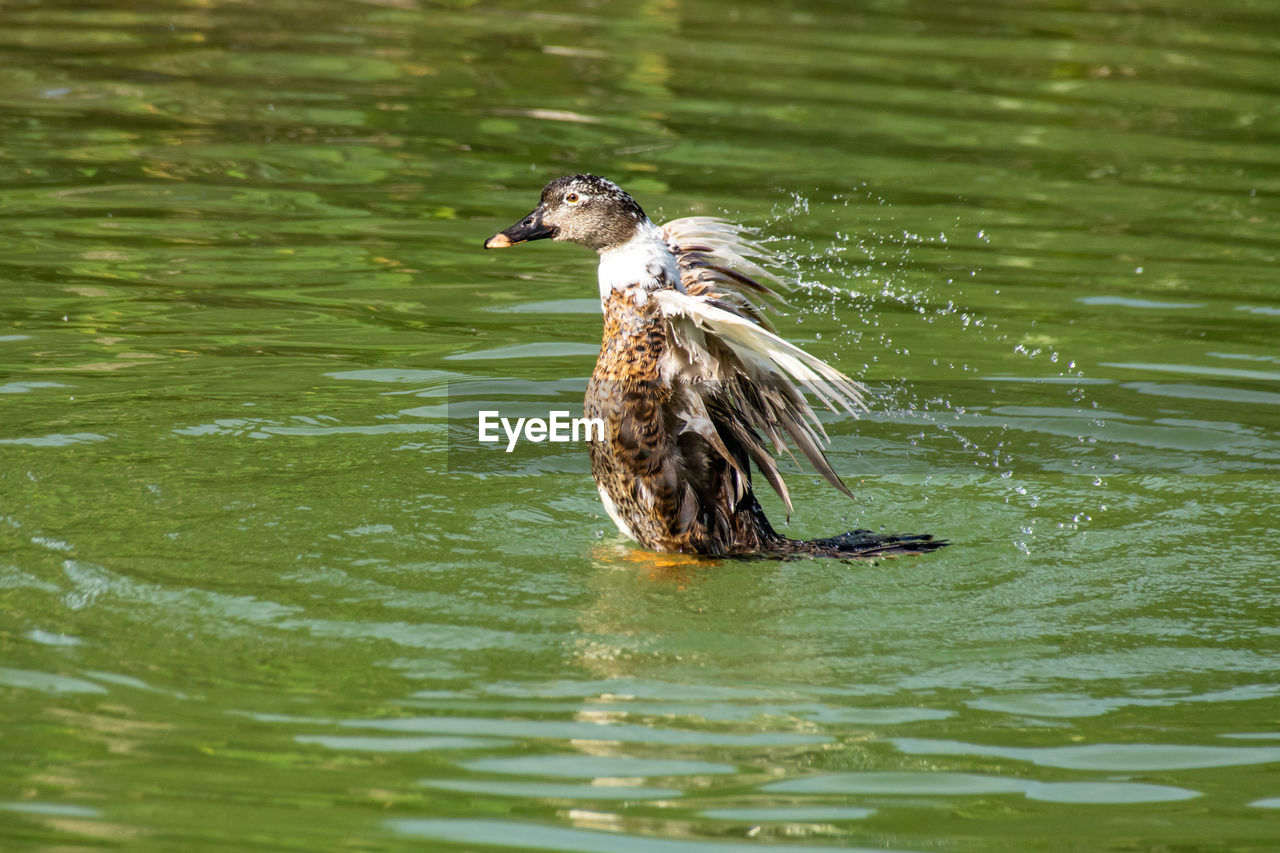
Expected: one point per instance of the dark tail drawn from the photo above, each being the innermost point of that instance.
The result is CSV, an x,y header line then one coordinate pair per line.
x,y
859,544
758,539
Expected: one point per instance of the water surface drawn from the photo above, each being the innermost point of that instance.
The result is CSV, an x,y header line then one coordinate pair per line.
x,y
259,591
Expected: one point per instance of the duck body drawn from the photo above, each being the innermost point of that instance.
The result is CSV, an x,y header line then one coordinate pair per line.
x,y
662,484
691,383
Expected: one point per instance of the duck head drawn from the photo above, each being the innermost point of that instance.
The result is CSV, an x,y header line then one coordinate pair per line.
x,y
583,209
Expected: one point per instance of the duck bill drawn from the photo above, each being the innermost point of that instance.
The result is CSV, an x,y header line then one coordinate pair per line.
x,y
529,228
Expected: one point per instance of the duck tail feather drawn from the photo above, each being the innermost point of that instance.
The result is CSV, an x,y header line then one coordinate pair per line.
x,y
860,545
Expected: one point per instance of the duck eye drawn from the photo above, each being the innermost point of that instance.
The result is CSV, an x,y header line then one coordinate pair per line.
x,y
572,198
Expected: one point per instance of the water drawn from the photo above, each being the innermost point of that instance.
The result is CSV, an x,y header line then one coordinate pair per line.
x,y
253,597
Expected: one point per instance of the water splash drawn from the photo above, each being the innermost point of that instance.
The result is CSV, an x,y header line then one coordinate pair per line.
x,y
854,277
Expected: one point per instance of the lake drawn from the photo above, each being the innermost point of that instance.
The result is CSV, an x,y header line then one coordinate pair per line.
x,y
261,588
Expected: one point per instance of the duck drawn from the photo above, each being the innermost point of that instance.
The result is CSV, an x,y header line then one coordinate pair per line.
x,y
693,384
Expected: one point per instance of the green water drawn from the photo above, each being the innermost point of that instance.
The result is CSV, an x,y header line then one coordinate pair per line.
x,y
258,591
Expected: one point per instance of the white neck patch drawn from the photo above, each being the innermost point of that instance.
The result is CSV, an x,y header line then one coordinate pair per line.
x,y
645,262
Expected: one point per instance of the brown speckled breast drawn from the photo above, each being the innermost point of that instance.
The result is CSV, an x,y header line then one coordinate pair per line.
x,y
628,394
667,486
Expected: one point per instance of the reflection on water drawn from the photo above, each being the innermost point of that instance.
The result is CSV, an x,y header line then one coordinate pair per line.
x,y
256,590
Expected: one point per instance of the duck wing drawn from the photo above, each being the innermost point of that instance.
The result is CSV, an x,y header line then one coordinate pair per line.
x,y
737,383
719,256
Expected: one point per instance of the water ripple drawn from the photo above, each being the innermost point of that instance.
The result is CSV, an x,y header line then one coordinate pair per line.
x,y
532,836
1104,756
586,731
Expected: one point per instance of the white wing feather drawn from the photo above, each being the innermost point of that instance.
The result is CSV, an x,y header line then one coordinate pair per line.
x,y
725,359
